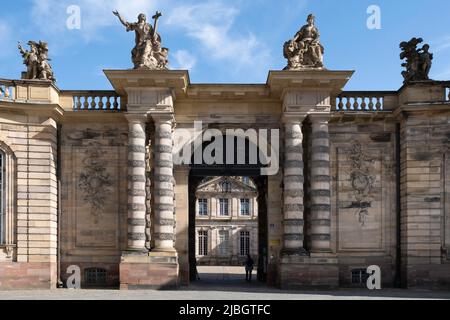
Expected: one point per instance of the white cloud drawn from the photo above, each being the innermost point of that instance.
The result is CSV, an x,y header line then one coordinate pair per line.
x,y
184,60
50,16
8,44
210,24
444,73
441,44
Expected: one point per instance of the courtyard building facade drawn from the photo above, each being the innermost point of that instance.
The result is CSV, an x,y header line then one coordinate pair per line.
x,y
226,221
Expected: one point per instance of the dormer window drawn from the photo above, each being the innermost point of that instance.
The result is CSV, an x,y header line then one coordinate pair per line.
x,y
225,186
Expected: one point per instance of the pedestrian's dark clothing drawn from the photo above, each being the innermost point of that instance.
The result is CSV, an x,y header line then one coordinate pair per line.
x,y
249,263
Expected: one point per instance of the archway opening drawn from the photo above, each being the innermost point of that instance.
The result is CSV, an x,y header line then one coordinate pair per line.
x,y
227,221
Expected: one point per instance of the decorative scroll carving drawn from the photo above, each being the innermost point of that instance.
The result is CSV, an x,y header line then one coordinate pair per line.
x,y
362,181
94,182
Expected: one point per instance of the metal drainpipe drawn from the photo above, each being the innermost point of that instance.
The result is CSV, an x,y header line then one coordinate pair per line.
x,y
398,267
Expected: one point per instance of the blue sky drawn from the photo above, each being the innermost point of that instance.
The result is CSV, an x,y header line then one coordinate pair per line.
x,y
226,41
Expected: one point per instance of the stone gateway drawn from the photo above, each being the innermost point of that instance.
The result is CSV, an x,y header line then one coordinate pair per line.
x,y
88,178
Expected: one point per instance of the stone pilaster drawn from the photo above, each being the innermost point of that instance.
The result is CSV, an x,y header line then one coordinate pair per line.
x,y
293,187
320,185
163,180
136,182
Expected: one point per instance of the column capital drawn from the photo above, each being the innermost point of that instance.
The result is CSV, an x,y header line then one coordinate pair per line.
x,y
136,117
319,117
162,117
291,117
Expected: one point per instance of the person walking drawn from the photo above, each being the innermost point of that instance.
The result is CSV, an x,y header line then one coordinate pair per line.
x,y
249,263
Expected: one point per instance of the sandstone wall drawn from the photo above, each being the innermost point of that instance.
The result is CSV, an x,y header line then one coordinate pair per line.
x,y
30,142
94,195
363,195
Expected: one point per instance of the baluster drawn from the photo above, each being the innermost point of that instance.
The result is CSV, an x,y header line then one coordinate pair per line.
x,y
379,105
371,105
100,104
355,103
115,104
93,103
448,95
340,104
364,104
108,103
85,103
348,105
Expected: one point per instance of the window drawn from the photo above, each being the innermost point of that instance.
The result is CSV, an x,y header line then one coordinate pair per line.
x,y
95,276
7,196
245,207
203,243
245,243
224,207
203,207
225,186
224,237
246,180
2,198
359,276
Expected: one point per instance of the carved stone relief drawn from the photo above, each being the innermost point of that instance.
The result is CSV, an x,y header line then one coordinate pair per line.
x,y
94,182
362,181
363,196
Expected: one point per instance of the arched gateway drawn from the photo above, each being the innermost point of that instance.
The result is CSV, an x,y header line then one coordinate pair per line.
x,y
104,180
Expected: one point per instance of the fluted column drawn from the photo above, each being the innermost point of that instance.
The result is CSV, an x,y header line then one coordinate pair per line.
x,y
164,188
136,182
293,221
320,190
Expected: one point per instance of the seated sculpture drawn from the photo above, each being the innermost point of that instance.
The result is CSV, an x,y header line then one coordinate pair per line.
x,y
147,53
418,61
304,51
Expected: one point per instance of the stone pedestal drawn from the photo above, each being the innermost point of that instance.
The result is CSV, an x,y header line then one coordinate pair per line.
x,y
318,271
153,270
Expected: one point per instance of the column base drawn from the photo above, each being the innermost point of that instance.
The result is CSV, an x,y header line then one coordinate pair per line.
x,y
317,271
150,270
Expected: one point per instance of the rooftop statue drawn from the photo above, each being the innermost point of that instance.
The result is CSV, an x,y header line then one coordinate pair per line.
x,y
37,61
305,50
147,53
418,61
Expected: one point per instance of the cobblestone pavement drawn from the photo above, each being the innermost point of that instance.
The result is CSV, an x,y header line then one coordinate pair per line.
x,y
223,283
225,292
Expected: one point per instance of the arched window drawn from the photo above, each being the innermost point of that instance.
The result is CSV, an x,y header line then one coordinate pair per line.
x,y
7,198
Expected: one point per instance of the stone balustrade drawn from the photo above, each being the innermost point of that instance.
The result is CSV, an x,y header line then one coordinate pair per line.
x,y
365,101
95,100
6,90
